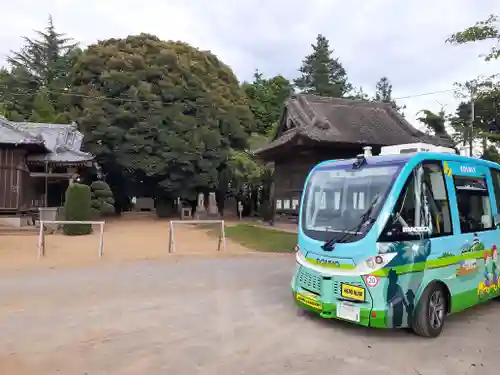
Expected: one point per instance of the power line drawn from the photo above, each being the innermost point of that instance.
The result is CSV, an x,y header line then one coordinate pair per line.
x,y
69,94
139,101
102,97
424,94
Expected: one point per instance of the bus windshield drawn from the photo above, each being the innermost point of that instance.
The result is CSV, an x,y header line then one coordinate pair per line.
x,y
336,200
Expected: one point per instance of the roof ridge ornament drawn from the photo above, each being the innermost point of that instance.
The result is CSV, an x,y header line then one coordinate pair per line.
x,y
321,122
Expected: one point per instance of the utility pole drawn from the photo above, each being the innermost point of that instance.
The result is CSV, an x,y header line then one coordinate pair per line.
x,y
472,115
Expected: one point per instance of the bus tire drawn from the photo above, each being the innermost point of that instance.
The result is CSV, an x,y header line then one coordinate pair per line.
x,y
431,311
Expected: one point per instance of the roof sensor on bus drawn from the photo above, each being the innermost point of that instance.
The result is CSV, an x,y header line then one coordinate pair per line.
x,y
410,148
360,161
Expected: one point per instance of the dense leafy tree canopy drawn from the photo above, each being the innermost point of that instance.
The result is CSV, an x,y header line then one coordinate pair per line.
x,y
171,116
266,97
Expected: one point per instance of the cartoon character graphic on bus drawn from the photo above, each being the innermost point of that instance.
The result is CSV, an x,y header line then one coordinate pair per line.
x,y
494,264
396,299
491,280
487,261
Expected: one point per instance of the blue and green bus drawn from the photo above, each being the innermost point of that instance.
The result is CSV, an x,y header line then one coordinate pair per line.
x,y
398,240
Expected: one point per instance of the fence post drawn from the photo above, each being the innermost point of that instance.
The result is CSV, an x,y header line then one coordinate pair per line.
x,y
41,241
101,240
223,233
41,234
171,239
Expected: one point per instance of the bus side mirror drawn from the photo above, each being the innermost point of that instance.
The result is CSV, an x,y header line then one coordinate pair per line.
x,y
496,220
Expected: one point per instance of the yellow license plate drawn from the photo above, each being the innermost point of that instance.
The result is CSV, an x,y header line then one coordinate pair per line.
x,y
309,301
353,292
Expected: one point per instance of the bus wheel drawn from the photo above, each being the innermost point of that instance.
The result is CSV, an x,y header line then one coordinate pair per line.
x,y
431,312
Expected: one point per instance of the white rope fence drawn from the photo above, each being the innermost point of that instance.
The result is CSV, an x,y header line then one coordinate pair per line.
x,y
41,235
222,236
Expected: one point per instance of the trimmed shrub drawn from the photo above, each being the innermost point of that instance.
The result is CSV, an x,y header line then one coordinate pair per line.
x,y
102,199
77,208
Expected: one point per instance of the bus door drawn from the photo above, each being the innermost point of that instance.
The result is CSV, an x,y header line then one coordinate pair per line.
x,y
420,228
473,209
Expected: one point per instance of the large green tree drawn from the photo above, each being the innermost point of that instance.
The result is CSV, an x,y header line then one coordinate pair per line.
x,y
42,63
484,123
322,73
266,98
164,113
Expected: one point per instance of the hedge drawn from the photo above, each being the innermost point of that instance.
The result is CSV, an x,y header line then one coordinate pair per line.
x,y
102,199
77,208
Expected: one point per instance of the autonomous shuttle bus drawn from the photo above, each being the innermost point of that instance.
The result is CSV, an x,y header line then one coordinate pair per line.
x,y
401,239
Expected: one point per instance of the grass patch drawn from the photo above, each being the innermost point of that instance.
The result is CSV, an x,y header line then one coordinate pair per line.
x,y
262,239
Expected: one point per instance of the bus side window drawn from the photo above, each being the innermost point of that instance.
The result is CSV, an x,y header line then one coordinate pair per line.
x,y
495,176
437,199
425,215
402,215
473,202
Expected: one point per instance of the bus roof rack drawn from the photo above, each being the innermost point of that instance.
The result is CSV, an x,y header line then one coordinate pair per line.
x,y
410,148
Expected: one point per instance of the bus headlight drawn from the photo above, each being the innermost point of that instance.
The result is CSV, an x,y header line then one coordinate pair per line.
x,y
379,261
370,262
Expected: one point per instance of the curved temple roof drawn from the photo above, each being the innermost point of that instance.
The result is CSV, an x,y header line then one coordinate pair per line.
x,y
58,143
338,120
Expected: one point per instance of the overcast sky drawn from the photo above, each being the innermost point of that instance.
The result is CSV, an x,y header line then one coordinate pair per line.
x,y
404,40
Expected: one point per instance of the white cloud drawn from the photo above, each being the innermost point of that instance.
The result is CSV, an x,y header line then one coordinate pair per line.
x,y
404,40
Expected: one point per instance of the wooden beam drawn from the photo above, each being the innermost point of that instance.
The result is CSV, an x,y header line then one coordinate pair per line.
x,y
55,175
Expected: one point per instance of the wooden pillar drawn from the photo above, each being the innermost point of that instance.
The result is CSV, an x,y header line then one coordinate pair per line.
x,y
272,197
18,188
46,184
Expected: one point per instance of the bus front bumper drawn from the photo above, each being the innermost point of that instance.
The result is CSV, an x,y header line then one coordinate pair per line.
x,y
367,316
322,296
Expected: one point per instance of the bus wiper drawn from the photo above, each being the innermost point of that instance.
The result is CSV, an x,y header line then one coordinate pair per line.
x,y
364,218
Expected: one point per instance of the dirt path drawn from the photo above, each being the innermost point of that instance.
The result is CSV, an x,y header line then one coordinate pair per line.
x,y
124,240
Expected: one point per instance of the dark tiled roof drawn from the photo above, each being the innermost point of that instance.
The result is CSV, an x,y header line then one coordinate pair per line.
x,y
62,142
338,120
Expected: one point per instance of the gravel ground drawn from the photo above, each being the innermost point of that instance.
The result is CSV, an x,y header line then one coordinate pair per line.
x,y
211,316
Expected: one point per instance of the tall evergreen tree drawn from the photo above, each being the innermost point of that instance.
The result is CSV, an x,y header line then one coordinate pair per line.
x,y
383,93
43,63
383,90
47,59
322,74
